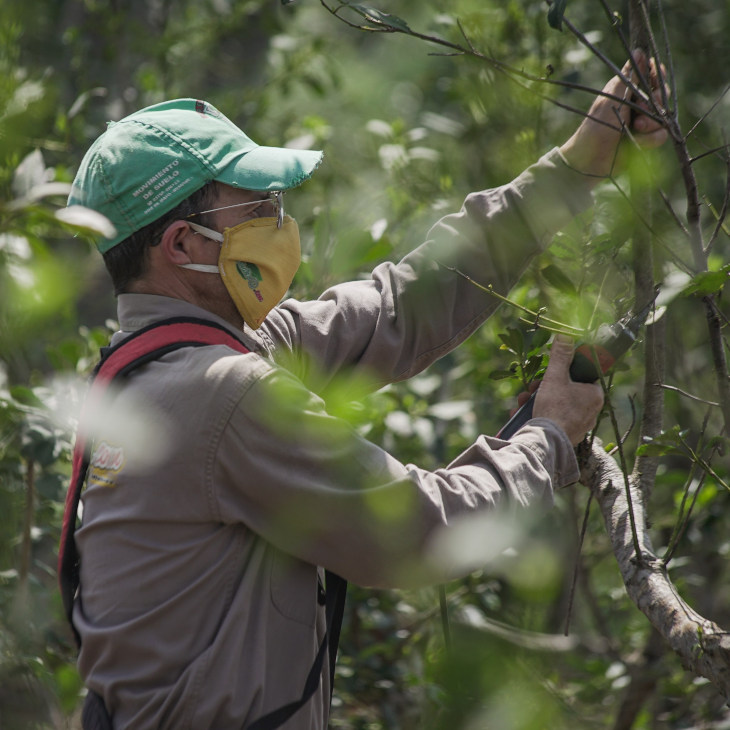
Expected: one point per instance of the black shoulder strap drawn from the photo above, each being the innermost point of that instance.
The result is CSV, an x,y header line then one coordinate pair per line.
x,y
336,592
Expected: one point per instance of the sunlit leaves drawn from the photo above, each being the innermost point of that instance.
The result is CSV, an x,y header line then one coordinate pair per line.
x,y
526,345
708,282
30,173
378,19
668,442
80,217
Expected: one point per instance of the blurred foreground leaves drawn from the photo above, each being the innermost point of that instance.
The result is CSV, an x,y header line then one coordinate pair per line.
x,y
406,136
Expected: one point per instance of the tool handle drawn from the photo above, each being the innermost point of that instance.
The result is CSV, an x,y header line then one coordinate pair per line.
x,y
518,420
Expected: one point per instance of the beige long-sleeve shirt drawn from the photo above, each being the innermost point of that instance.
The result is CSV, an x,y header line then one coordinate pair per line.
x,y
220,486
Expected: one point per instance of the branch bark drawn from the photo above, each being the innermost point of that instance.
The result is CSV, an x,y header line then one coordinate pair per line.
x,y
702,646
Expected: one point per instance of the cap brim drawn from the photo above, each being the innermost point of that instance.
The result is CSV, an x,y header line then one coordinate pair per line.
x,y
270,168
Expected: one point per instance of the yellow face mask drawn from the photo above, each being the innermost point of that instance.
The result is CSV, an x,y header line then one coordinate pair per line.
x,y
257,262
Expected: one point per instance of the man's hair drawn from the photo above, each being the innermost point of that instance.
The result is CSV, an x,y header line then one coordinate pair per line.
x,y
128,260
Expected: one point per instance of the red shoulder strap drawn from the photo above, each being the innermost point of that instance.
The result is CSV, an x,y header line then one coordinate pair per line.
x,y
143,346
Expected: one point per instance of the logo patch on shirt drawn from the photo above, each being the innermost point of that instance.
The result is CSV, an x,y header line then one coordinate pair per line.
x,y
106,463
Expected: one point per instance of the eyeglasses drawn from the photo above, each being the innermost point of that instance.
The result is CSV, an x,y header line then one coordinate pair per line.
x,y
271,206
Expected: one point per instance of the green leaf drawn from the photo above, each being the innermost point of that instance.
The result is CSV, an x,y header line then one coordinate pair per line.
x,y
556,278
80,217
378,17
501,374
26,396
708,282
655,448
538,338
667,442
555,14
532,367
513,340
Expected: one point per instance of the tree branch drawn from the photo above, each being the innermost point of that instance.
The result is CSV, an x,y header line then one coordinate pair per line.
x,y
702,646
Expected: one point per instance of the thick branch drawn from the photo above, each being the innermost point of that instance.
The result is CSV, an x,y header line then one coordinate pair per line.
x,y
702,646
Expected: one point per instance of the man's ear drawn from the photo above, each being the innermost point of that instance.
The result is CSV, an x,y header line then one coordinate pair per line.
x,y
177,242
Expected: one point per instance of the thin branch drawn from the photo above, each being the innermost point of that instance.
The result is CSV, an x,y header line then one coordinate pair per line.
x,y
674,214
515,74
719,358
720,225
538,317
681,524
622,461
709,111
713,151
687,395
687,268
576,569
651,51
704,464
672,76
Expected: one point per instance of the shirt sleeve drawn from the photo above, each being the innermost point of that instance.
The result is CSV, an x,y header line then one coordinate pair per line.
x,y
408,314
310,485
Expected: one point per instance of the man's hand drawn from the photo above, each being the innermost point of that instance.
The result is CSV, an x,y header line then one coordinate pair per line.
x,y
592,149
573,406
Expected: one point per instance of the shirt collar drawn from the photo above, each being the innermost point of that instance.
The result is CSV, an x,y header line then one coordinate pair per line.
x,y
135,311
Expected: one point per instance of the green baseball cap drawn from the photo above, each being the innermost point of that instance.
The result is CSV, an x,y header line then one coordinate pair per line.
x,y
149,162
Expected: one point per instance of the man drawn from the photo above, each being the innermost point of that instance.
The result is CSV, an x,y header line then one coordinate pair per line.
x,y
219,486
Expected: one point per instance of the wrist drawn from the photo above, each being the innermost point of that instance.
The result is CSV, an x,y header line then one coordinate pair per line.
x,y
586,162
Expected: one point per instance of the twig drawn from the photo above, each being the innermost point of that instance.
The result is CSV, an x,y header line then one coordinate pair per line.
x,y
720,225
538,317
683,519
687,395
622,461
512,72
674,214
709,111
576,569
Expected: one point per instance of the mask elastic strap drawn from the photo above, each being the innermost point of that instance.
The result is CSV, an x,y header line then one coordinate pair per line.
x,y
207,232
205,268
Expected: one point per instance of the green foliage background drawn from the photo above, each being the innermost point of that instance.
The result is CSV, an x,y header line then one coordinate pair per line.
x,y
407,132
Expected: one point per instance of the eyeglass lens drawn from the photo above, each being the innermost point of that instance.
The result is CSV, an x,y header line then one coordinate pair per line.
x,y
276,199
